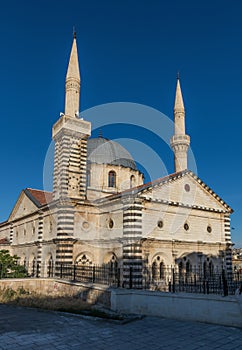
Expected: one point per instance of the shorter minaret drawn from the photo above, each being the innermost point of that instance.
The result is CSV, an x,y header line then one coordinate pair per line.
x,y
180,141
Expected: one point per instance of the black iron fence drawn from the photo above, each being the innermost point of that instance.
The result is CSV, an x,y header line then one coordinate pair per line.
x,y
167,279
196,280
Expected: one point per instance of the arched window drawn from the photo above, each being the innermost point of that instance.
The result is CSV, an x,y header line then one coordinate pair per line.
x,y
34,267
211,268
50,267
88,179
162,270
84,259
180,268
205,269
111,179
188,267
84,271
113,264
158,269
155,272
132,181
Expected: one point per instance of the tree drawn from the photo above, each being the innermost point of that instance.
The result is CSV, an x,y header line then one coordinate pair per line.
x,y
10,267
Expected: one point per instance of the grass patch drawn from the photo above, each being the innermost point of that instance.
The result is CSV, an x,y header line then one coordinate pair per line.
x,y
75,305
22,297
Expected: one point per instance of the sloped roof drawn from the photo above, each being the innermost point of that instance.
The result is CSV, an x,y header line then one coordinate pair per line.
x,y
169,178
39,197
140,188
4,241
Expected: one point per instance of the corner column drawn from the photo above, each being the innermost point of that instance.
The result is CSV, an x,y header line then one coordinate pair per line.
x,y
132,248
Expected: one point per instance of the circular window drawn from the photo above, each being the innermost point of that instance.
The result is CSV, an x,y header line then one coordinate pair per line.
x,y
110,223
85,225
187,188
160,224
186,226
209,229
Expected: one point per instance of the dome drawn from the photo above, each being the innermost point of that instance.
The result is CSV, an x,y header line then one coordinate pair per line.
x,y
104,151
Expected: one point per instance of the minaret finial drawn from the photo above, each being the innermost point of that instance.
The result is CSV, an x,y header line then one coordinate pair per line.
x,y
100,133
74,32
179,105
178,75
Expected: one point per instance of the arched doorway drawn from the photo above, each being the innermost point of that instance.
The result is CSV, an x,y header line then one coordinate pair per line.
x,y
158,269
84,268
50,266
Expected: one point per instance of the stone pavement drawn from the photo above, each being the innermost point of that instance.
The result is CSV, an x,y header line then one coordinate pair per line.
x,y
27,329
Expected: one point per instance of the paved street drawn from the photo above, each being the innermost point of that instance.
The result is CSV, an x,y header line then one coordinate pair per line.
x,y
34,329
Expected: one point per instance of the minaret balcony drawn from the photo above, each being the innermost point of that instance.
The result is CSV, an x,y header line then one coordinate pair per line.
x,y
180,139
71,125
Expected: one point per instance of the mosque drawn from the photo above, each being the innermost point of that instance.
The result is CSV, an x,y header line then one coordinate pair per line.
x,y
101,210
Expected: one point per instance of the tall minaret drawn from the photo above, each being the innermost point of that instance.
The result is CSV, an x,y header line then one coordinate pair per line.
x,y
73,83
70,134
180,141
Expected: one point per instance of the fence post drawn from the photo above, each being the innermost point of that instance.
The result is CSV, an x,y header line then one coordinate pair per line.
x,y
204,286
74,272
173,280
118,277
207,286
225,284
61,270
130,277
93,274
37,270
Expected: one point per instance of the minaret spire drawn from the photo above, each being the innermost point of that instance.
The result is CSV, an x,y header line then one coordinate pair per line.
x,y
179,110
180,141
73,82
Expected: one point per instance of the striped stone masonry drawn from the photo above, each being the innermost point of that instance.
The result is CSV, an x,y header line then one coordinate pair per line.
x,y
132,250
64,251
40,238
70,136
77,169
11,234
70,168
65,220
69,183
65,226
228,254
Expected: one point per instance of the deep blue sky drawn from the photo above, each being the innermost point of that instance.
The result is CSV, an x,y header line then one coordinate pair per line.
x,y
129,51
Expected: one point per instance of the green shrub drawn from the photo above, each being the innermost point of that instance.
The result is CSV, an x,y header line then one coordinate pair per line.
x,y
7,295
9,266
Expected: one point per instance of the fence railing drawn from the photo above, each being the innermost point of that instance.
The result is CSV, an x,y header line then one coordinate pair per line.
x,y
169,279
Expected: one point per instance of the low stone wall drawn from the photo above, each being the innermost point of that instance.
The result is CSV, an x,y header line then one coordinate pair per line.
x,y
91,293
188,307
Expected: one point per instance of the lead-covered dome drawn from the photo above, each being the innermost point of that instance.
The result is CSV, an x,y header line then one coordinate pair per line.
x,y
103,151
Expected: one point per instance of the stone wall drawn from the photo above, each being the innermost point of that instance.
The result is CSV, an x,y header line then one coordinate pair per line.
x,y
187,307
91,293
